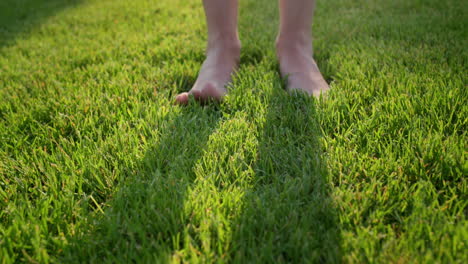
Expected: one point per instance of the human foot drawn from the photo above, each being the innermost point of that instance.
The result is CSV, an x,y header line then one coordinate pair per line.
x,y
221,62
299,68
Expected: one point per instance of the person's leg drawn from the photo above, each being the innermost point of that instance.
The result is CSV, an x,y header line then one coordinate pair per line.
x,y
294,47
222,53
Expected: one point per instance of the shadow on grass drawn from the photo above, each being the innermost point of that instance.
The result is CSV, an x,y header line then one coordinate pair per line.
x,y
288,215
20,16
147,212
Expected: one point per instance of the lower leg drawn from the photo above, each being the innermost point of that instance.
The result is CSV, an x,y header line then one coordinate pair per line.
x,y
222,53
294,47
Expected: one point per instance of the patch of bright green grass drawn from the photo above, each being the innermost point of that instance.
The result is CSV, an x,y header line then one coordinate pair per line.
x,y
98,165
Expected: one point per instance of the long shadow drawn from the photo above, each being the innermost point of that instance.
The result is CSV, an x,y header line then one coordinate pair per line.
x,y
20,16
288,215
147,212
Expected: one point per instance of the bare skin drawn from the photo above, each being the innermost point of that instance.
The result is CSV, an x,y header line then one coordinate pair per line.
x,y
293,44
294,48
222,54
215,74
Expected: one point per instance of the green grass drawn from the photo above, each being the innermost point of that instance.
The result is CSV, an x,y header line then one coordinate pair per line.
x,y
98,165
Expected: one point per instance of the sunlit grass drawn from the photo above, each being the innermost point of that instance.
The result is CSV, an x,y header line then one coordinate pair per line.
x,y
98,165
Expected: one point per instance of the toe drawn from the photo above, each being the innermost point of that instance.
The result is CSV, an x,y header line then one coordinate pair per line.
x,y
209,92
182,98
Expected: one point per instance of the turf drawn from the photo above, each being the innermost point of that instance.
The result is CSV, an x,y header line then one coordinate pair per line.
x,y
98,165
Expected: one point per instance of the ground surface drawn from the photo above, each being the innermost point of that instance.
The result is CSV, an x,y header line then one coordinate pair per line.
x,y
98,165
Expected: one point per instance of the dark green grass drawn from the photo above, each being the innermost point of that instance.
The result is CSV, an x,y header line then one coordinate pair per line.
x,y
98,165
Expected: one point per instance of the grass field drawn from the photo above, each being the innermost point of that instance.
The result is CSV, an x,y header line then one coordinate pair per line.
x,y
98,165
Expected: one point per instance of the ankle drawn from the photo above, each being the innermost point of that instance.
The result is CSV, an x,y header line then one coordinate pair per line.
x,y
293,42
230,46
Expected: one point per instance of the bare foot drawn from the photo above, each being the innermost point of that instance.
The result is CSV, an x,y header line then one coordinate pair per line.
x,y
215,73
300,69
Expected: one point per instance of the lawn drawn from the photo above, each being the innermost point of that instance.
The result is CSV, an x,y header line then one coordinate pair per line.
x,y
98,165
